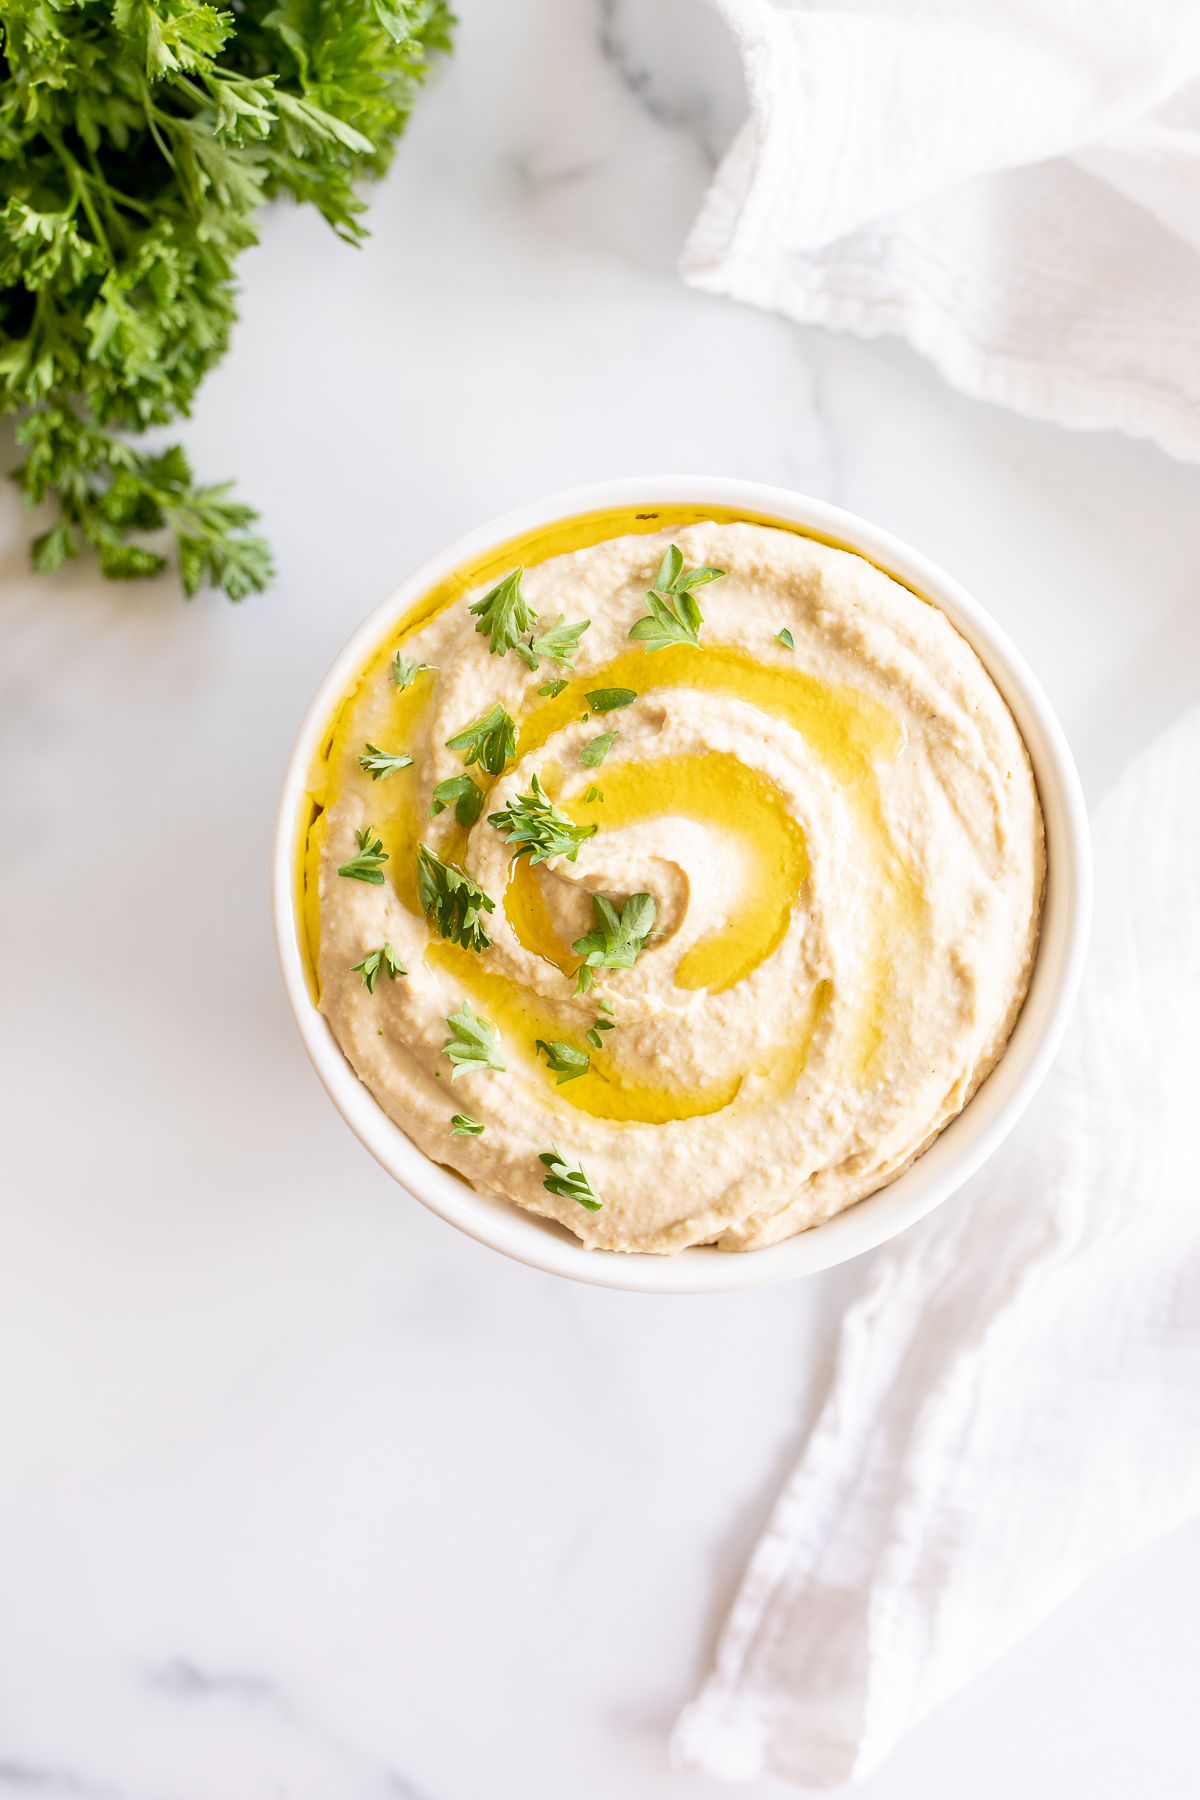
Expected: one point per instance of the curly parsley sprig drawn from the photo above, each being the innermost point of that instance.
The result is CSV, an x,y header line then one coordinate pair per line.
x,y
473,1044
617,939
460,792
673,616
567,1182
563,1059
377,763
137,142
382,960
451,901
504,616
538,829
368,864
490,741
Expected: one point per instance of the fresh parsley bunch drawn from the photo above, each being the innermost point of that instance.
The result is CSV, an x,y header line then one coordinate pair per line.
x,y
138,139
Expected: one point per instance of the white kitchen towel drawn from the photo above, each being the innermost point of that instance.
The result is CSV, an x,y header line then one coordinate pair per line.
x,y
1016,1398
1012,185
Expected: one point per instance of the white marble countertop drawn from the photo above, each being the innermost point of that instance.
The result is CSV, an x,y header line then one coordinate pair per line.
x,y
305,1495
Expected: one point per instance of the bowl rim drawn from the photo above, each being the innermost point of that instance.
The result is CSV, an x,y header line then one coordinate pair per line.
x,y
964,1144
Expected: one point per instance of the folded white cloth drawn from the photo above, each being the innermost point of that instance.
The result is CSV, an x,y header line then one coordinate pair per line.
x,y
1016,1398
1012,185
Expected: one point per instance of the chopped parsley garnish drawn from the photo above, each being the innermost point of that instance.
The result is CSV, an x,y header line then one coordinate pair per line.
x,y
564,1060
384,959
593,793
553,689
463,1126
510,623
604,700
503,615
786,639
538,829
472,1044
460,792
618,938
451,901
594,753
491,740
560,644
673,616
600,1024
368,864
378,763
569,1183
405,669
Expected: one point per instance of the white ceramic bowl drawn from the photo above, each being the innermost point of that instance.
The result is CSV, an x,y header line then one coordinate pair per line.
x,y
964,1144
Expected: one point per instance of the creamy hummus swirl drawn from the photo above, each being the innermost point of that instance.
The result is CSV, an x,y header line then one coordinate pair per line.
x,y
843,841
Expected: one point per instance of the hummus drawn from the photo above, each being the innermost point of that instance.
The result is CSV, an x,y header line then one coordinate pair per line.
x,y
825,798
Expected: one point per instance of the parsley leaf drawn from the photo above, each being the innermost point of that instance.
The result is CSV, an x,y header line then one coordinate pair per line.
x,y
568,1183
618,939
504,616
560,644
368,864
405,669
384,958
593,793
539,830
786,639
593,754
673,616
460,792
463,1126
472,1044
378,763
451,901
603,700
553,689
564,1060
600,1024
491,740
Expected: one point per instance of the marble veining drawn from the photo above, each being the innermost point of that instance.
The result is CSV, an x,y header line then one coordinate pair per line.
x,y
689,111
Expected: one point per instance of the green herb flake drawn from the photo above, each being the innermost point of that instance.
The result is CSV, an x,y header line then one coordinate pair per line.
x,y
473,1046
452,902
377,763
538,829
786,639
405,669
593,793
553,689
568,1183
460,792
384,959
368,864
673,616
462,1125
565,1061
604,700
490,741
599,1024
559,644
617,939
594,753
504,616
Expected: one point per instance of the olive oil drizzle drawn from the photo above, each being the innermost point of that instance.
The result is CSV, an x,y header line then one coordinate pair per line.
x,y
846,729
